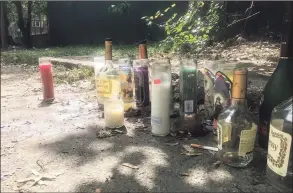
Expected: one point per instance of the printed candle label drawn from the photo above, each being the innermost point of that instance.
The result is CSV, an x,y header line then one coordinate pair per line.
x,y
224,133
126,84
104,86
222,92
247,139
156,120
279,151
188,106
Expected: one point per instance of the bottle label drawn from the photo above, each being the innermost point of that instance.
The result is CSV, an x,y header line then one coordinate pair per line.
x,y
222,92
279,150
247,140
104,86
188,106
224,131
126,79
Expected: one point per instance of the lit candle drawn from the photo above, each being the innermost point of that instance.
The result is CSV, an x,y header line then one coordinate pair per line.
x,y
47,80
114,113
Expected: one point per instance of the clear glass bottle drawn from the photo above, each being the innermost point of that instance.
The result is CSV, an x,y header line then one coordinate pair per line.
x,y
279,161
188,92
161,98
236,132
127,83
107,78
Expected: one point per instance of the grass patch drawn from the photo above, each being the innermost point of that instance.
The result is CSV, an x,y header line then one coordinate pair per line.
x,y
30,57
70,76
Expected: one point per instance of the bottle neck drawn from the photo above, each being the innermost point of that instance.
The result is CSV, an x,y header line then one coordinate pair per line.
x,y
241,102
142,51
109,63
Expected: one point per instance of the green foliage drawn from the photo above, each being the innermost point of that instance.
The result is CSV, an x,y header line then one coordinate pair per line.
x,y
39,9
194,27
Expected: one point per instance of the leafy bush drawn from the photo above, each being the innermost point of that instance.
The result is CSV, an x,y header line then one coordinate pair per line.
x,y
195,27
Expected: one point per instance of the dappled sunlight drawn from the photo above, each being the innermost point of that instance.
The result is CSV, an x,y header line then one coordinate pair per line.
x,y
197,177
220,176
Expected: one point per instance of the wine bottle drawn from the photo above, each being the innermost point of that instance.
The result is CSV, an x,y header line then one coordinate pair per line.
x,y
279,162
107,79
278,89
236,132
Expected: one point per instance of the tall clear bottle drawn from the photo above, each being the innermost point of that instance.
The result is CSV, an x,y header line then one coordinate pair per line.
x,y
107,78
127,83
188,92
236,132
279,162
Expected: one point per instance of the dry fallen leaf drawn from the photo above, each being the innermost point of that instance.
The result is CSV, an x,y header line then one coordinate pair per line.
x,y
130,165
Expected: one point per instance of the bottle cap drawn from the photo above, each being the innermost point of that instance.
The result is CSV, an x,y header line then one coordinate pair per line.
x,y
239,83
143,42
108,39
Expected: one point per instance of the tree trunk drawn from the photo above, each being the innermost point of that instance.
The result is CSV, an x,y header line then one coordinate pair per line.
x,y
4,27
25,29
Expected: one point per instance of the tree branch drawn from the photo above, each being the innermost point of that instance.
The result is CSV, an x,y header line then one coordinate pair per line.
x,y
234,22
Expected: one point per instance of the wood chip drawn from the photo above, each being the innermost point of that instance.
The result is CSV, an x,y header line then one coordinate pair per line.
x,y
130,166
184,174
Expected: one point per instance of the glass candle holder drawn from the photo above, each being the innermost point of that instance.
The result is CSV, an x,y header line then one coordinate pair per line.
x,y
161,97
46,72
114,113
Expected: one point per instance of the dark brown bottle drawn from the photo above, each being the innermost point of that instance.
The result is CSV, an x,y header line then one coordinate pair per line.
x,y
277,90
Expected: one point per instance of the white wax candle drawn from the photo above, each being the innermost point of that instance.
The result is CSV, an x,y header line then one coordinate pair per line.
x,y
114,115
160,108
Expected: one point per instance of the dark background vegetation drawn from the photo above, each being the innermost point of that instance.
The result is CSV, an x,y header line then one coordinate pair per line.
x,y
88,22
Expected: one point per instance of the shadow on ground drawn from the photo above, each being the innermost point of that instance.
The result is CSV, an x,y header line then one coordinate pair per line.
x,y
161,167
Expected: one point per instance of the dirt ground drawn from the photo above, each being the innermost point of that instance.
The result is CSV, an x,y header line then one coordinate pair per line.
x,y
57,147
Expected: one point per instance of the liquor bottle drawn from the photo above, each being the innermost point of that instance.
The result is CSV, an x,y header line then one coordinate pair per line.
x,y
107,79
188,93
236,132
141,82
127,83
143,55
279,162
278,89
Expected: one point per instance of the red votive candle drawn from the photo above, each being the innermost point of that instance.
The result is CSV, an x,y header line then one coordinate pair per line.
x,y
47,81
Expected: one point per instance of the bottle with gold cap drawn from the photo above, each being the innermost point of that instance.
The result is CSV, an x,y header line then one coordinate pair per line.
x,y
107,79
236,132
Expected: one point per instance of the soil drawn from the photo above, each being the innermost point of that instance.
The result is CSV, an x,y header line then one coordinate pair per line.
x,y
64,140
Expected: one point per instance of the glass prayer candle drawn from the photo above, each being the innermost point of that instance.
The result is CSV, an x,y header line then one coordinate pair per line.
x,y
47,80
114,113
